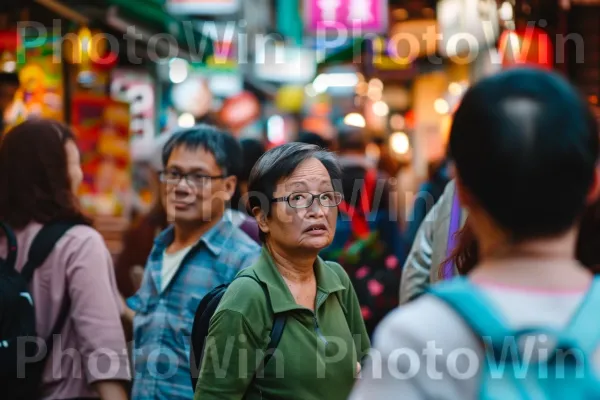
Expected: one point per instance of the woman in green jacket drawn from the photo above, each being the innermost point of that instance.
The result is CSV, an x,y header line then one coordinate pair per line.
x,y
294,199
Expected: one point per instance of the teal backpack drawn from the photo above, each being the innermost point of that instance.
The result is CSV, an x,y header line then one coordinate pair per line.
x,y
508,373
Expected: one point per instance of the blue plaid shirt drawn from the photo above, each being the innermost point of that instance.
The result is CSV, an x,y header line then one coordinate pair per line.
x,y
163,321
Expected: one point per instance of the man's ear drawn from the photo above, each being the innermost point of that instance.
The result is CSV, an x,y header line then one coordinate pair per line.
x,y
230,185
261,219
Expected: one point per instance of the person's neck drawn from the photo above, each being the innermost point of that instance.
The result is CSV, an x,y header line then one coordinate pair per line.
x,y
497,246
548,262
297,269
186,235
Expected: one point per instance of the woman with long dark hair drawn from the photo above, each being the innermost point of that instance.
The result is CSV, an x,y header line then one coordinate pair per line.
x,y
39,175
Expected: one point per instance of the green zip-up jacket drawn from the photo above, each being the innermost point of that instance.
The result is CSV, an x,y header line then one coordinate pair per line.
x,y
318,352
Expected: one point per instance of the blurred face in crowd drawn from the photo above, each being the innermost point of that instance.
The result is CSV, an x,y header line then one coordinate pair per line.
x,y
302,230
73,165
196,188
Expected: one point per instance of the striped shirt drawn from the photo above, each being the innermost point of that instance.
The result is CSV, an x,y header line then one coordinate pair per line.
x,y
164,318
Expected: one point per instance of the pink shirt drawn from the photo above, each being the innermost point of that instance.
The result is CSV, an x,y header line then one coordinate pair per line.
x,y
92,344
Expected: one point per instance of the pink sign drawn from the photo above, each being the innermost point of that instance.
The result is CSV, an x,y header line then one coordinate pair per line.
x,y
358,16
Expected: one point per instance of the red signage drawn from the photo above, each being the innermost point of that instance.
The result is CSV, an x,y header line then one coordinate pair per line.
x,y
240,110
526,47
9,40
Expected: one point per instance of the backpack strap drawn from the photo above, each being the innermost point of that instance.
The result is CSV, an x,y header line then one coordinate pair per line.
x,y
40,249
276,333
42,246
473,307
583,327
11,241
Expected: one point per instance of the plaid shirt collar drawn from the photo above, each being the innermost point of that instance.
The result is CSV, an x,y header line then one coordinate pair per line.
x,y
214,239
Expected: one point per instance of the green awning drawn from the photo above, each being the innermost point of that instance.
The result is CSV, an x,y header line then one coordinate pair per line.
x,y
343,54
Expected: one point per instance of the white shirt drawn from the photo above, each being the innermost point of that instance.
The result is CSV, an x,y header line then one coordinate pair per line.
x,y
408,339
171,263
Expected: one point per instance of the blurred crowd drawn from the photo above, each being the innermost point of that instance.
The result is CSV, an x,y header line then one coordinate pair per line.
x,y
499,242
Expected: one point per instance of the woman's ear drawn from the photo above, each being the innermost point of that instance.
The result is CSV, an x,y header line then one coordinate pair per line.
x,y
261,219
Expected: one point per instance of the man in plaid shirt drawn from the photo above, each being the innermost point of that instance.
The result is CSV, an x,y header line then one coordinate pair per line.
x,y
201,250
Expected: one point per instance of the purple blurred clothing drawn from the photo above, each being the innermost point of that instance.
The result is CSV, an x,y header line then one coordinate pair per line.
x,y
247,224
250,228
81,264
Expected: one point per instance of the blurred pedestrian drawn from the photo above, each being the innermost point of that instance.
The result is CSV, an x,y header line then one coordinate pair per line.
x,y
538,137
428,194
138,240
433,244
252,150
199,251
316,139
74,289
368,241
294,198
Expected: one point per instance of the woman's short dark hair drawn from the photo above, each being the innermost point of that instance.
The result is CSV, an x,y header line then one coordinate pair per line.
x,y
221,144
530,170
34,178
281,162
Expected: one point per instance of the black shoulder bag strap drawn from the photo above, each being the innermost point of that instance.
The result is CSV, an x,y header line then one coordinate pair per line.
x,y
40,249
276,333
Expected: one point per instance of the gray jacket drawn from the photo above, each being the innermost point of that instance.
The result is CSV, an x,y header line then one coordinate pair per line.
x,y
429,249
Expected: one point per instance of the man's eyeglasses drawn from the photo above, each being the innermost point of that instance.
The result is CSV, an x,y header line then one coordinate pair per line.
x,y
305,199
193,179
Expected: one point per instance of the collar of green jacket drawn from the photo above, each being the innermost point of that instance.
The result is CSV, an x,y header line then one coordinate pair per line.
x,y
280,297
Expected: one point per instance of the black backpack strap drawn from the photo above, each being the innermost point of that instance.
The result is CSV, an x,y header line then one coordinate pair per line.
x,y
42,246
40,249
276,334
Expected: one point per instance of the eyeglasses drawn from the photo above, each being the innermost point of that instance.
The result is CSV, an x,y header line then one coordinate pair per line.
x,y
193,179
305,199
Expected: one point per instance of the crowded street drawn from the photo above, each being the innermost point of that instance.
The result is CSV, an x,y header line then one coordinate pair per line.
x,y
299,199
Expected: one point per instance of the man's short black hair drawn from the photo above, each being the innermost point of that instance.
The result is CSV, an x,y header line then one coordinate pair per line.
x,y
222,145
281,162
525,145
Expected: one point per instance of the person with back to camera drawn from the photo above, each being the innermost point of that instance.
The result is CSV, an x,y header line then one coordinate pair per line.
x,y
73,289
526,149
294,197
